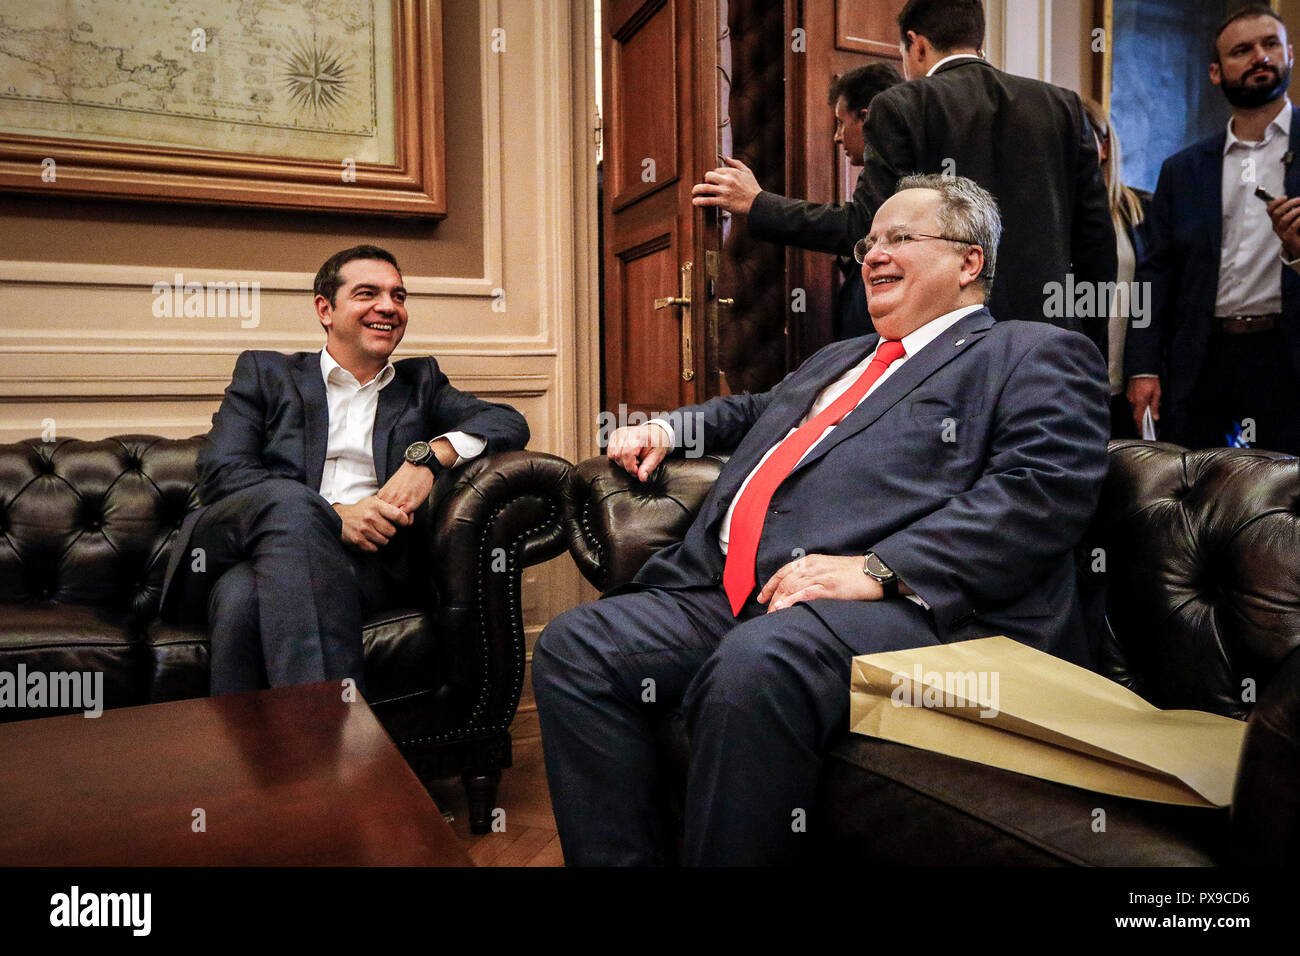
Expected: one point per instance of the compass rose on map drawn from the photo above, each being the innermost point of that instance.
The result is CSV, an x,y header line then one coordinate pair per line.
x,y
316,76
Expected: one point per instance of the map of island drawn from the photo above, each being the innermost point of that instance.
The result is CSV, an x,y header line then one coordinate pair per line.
x,y
303,79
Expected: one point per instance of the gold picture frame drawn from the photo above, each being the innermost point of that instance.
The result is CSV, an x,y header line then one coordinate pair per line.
x,y
412,185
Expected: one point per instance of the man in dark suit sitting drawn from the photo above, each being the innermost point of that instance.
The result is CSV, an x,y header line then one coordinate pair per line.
x,y
315,464
923,485
1025,141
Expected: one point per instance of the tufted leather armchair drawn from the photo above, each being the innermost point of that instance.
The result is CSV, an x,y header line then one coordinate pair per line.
x,y
1191,576
85,528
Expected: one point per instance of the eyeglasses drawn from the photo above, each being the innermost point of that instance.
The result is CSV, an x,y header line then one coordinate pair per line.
x,y
895,238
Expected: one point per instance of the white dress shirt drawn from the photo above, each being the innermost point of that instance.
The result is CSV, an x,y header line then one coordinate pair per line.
x,y
349,473
1248,273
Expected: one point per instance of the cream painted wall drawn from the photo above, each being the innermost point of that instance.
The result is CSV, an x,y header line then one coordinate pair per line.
x,y
79,342
1046,39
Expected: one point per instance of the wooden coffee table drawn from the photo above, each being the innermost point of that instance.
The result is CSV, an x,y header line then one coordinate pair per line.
x,y
291,776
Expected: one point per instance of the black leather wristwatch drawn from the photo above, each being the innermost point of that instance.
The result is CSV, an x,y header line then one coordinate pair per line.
x,y
421,453
873,566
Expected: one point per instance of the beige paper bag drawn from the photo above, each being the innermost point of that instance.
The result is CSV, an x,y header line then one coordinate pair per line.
x,y
999,702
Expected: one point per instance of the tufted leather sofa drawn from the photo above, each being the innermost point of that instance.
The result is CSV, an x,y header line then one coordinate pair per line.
x,y
85,528
1191,576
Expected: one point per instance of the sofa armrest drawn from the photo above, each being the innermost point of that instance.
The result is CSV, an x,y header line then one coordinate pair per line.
x,y
491,518
619,522
1266,798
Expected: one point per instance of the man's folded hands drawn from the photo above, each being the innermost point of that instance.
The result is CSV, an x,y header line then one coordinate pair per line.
x,y
371,522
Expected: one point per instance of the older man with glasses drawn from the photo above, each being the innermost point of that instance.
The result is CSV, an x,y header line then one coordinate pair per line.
x,y
923,485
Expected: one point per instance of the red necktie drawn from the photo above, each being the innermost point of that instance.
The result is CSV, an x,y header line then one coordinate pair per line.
x,y
751,509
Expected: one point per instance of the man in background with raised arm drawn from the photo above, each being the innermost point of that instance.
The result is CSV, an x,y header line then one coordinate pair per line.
x,y
822,227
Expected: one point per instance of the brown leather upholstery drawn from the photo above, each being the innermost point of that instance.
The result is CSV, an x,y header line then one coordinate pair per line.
x,y
621,522
1201,556
84,535
1193,567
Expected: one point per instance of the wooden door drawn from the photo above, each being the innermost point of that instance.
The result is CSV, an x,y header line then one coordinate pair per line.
x,y
660,110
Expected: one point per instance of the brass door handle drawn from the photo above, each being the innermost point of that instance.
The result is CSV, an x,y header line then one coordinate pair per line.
x,y
683,302
726,303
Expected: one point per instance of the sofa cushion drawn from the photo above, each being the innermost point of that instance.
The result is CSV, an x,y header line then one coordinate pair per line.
x,y
58,638
888,803
893,804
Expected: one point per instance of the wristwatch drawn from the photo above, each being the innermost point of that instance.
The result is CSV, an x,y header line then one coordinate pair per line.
x,y
421,453
874,567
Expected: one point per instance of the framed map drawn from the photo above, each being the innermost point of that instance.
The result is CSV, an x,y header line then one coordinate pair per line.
x,y
330,105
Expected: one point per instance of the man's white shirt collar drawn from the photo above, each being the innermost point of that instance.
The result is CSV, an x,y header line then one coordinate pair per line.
x,y
1281,122
328,367
948,59
918,339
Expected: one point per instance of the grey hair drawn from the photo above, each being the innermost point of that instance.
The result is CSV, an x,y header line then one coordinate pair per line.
x,y
967,210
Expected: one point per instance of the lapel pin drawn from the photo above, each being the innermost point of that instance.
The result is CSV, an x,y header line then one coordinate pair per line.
x,y
1286,160
958,342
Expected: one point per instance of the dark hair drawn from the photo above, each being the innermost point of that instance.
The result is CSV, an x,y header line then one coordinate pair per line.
x,y
947,24
1244,13
328,280
860,85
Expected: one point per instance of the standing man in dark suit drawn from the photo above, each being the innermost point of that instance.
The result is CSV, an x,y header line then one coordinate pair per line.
x,y
923,485
315,464
1222,348
1025,141
796,222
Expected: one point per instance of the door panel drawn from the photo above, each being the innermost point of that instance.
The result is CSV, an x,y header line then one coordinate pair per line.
x,y
870,28
643,121
658,60
645,272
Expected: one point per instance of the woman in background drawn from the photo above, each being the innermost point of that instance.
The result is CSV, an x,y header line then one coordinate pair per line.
x,y
1129,209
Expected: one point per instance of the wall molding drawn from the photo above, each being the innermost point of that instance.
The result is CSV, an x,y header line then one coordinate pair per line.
x,y
74,342
194,387
86,275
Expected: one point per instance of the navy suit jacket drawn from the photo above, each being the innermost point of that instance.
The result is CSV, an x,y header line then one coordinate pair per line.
x,y
274,423
982,526
1185,236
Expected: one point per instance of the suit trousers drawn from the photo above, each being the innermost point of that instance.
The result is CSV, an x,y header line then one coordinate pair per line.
x,y
761,694
285,598
1245,376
